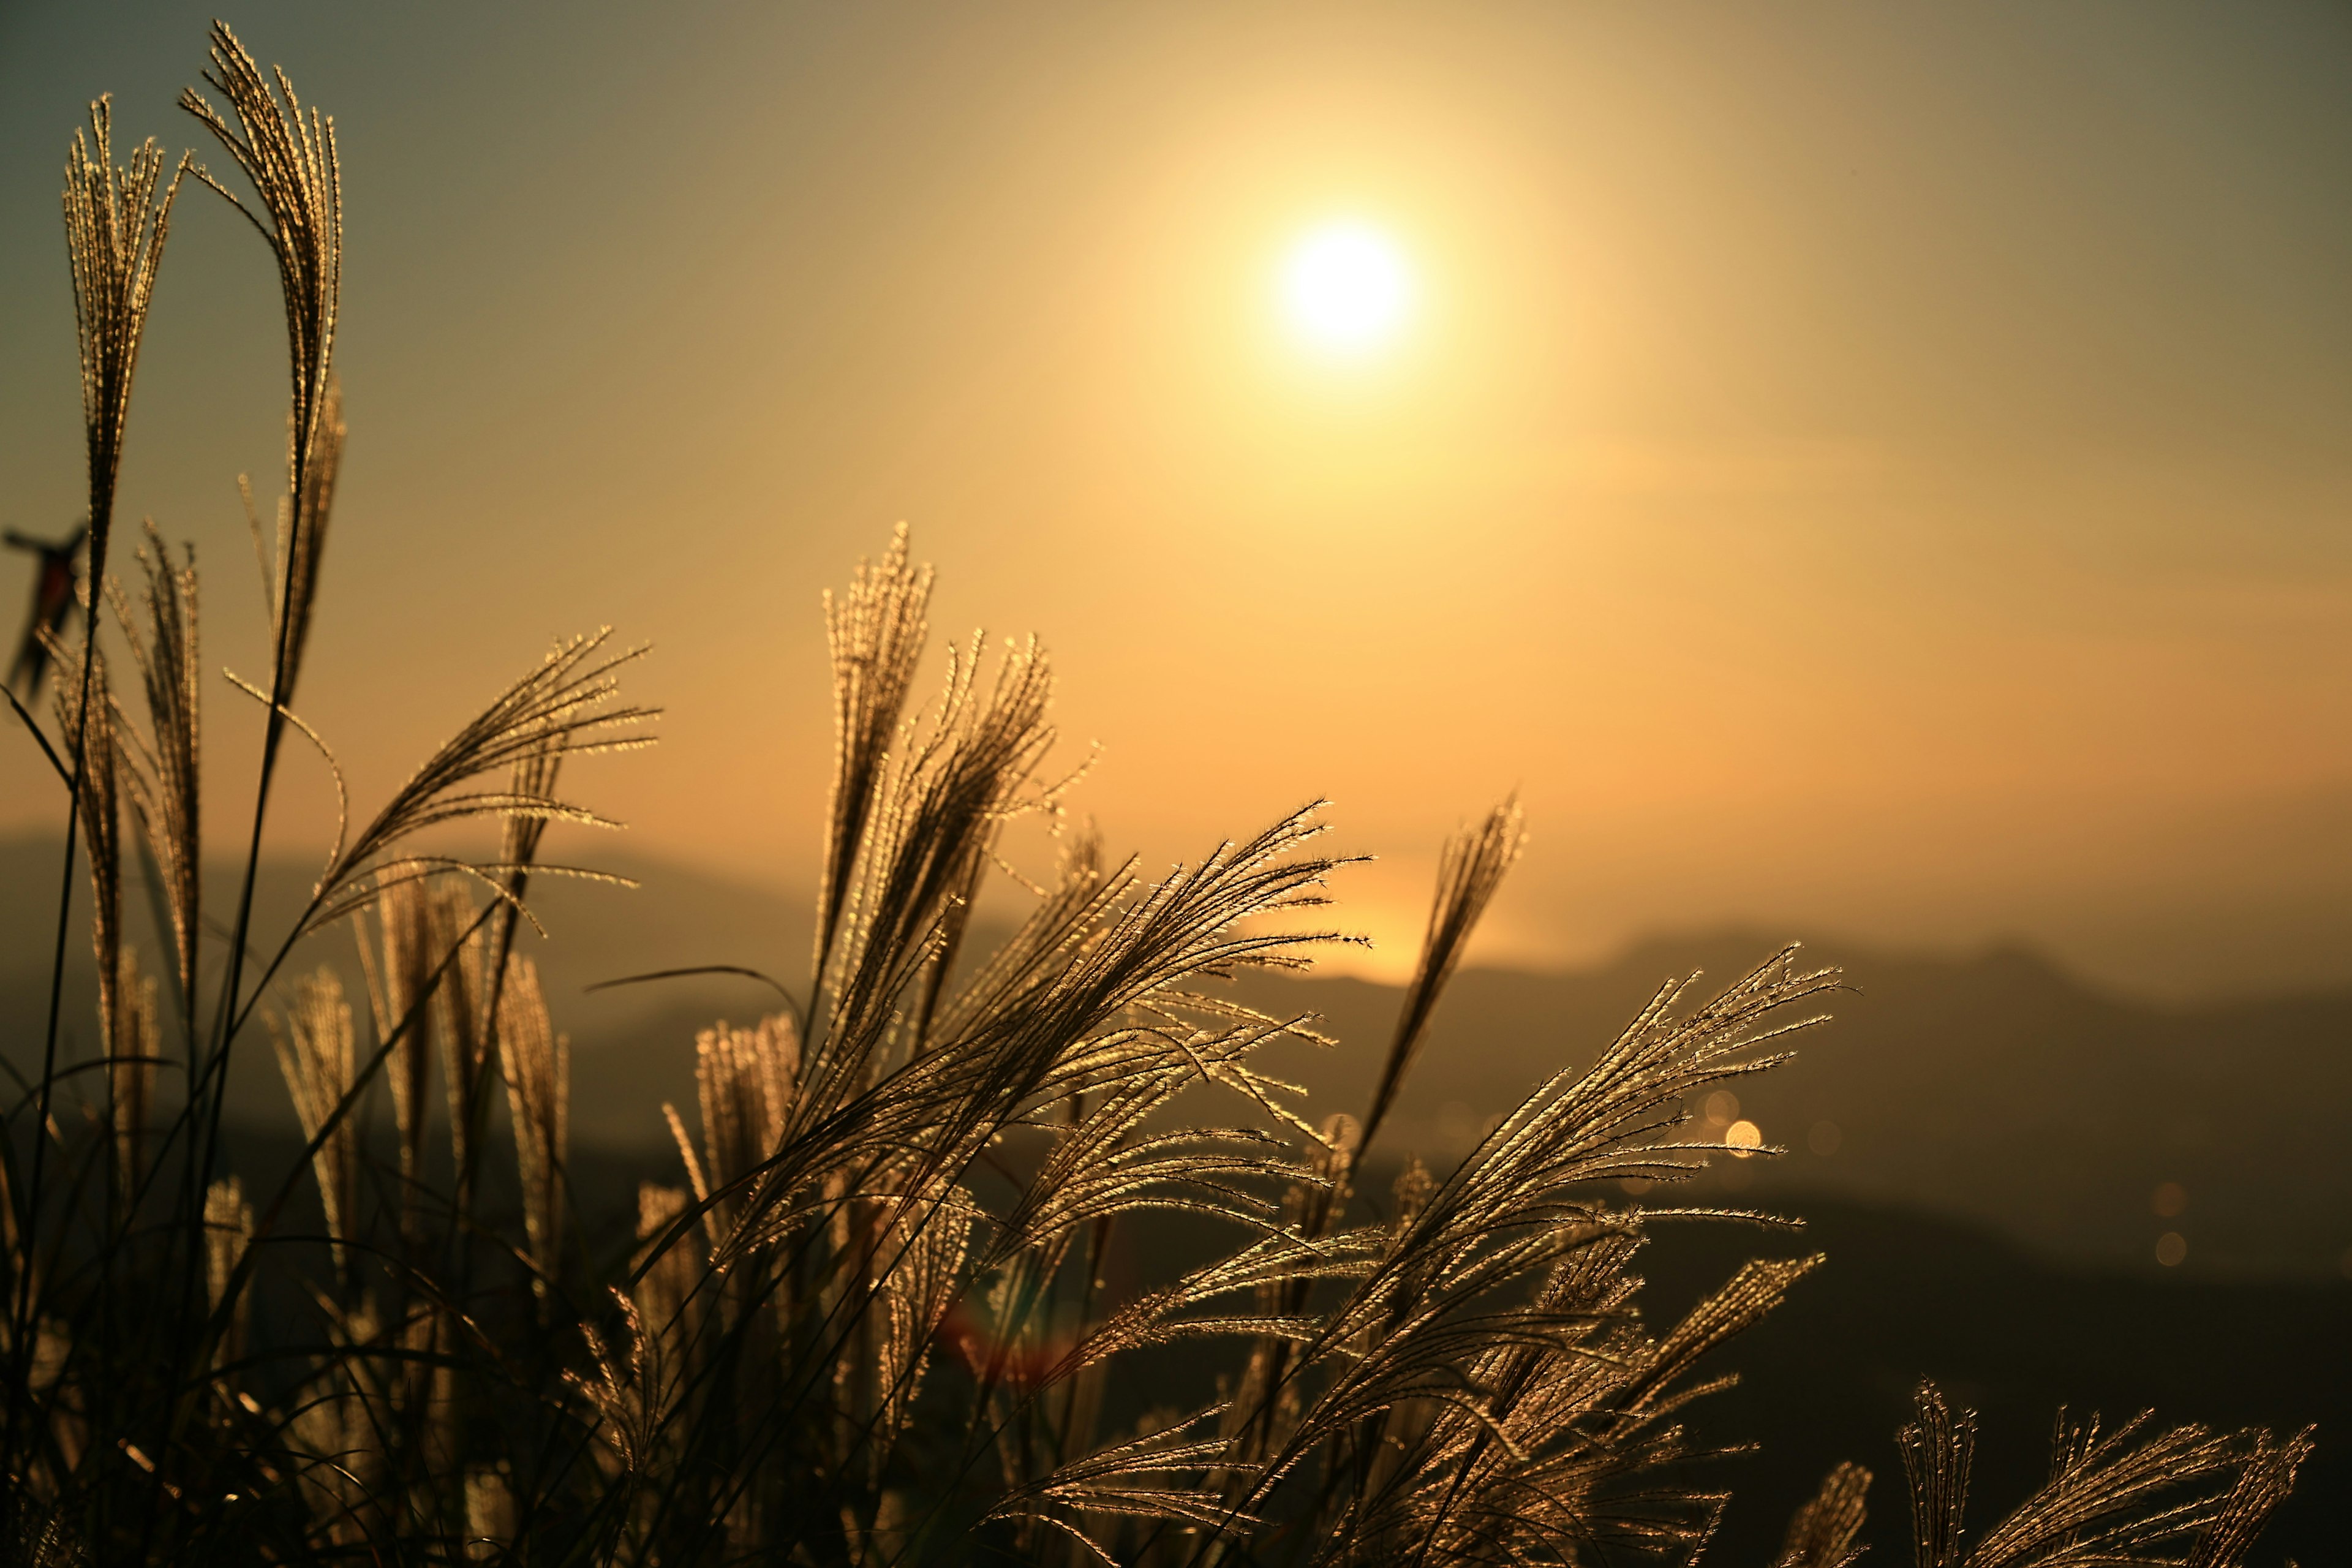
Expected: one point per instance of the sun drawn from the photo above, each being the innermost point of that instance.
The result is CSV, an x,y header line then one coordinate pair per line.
x,y
1346,289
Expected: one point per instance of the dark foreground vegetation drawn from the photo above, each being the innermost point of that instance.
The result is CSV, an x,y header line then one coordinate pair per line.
x,y
1018,1255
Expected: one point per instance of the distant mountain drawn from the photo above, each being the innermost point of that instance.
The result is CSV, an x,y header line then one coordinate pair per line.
x,y
1994,1089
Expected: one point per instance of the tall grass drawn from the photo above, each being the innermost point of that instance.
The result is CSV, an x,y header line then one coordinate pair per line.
x,y
867,1316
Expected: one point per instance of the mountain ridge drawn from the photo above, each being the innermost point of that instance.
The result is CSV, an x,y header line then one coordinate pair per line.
x,y
1993,1087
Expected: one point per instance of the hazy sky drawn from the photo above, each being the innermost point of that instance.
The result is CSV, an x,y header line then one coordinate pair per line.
x,y
1883,471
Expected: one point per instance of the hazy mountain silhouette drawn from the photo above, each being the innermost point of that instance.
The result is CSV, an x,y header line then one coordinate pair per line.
x,y
1991,1088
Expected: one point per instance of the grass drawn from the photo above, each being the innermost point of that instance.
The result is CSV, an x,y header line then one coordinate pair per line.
x,y
866,1317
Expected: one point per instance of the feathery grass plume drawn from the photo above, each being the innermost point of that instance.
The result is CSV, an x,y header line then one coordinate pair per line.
x,y
644,1393
876,632
131,1070
665,1293
878,1139
1436,1307
1821,1533
1130,1480
165,779
1470,870
115,230
298,178
1043,1043
1938,1447
532,777
1272,1260
625,1411
85,718
937,807
2262,1484
1067,915
2127,1496
539,1095
935,814
400,967
314,1052
916,1298
469,1050
567,703
228,1231
1537,1434
743,1082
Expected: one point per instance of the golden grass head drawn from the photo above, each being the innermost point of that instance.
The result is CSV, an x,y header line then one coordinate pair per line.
x,y
115,229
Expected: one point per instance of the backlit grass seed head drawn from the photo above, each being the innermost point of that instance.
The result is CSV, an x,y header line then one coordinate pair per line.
x,y
86,717
115,230
297,179
538,1096
568,704
138,1046
315,1055
164,780
876,632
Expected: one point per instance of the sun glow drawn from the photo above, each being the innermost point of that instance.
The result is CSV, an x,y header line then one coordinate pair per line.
x,y
1346,289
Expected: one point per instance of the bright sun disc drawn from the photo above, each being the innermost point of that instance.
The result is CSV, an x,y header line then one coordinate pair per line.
x,y
1346,288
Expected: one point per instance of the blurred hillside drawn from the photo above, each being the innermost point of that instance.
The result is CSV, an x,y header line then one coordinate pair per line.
x,y
1991,1089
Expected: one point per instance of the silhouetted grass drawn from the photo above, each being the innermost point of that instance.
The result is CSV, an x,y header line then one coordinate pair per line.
x,y
871,1315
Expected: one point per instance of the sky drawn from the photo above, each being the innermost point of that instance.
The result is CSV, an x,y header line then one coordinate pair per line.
x,y
1873,471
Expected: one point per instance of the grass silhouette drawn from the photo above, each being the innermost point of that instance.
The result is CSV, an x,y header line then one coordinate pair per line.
x,y
865,1319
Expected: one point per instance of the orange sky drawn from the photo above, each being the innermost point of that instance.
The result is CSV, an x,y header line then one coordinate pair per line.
x,y
1870,470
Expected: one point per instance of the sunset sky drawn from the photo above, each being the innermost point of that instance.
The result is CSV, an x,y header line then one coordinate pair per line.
x,y
1881,472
